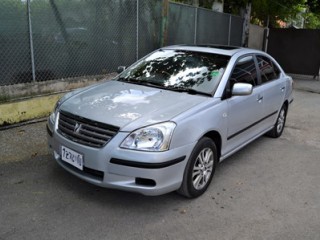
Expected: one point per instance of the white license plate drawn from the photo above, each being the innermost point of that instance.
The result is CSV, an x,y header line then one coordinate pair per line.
x,y
72,157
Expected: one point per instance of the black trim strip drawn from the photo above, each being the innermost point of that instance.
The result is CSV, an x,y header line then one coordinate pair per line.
x,y
250,126
49,131
146,165
291,101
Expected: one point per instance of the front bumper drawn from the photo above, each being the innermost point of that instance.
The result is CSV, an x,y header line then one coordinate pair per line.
x,y
148,173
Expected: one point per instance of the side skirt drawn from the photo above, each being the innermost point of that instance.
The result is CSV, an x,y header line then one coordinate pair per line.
x,y
244,144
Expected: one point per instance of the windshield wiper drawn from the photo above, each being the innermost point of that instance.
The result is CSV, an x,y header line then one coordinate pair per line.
x,y
193,91
189,90
142,82
122,79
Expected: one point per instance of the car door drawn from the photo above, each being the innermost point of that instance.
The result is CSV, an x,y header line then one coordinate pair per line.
x,y
273,86
244,112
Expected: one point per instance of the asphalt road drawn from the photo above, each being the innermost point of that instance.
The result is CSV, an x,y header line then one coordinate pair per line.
x,y
268,190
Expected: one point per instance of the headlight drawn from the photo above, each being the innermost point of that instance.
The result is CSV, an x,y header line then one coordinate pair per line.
x,y
53,115
154,138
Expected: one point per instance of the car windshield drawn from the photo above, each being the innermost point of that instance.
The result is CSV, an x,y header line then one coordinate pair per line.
x,y
178,70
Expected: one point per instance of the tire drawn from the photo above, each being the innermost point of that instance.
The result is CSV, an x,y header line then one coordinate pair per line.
x,y
199,169
278,127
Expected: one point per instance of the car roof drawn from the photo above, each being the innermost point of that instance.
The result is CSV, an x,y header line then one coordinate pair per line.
x,y
217,49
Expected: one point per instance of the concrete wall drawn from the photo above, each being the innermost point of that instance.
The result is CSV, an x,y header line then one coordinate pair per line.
x,y
256,37
23,102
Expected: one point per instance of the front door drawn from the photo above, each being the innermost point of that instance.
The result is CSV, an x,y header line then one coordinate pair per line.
x,y
244,112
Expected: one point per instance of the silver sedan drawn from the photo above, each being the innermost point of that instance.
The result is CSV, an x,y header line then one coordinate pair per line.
x,y
164,123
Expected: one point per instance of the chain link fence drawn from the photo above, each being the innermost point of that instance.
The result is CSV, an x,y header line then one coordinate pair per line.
x,y
54,39
192,25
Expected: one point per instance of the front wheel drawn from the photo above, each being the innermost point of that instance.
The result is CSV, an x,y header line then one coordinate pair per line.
x,y
200,169
277,129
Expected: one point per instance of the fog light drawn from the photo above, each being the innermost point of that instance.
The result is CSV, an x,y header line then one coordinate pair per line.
x,y
146,182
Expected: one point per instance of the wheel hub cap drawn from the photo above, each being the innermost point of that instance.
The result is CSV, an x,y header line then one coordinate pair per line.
x,y
202,169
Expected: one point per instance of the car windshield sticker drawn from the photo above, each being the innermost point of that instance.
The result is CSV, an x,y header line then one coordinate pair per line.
x,y
214,73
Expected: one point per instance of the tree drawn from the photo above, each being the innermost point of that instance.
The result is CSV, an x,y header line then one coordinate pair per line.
x,y
312,20
264,11
271,11
314,6
312,15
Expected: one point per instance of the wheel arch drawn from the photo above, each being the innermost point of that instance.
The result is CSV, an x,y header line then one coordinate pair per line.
x,y
216,138
286,104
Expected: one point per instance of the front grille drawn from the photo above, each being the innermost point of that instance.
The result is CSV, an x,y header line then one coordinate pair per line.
x,y
85,131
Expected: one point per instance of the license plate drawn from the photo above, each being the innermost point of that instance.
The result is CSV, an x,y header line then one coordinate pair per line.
x,y
72,157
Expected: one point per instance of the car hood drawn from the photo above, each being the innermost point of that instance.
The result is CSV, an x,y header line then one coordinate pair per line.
x,y
129,106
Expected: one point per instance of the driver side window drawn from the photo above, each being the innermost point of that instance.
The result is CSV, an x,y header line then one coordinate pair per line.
x,y
244,72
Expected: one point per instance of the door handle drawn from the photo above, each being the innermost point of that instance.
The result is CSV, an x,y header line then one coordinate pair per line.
x,y
282,89
259,99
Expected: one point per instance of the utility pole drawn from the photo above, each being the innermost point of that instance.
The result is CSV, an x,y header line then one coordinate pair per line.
x,y
246,24
218,5
266,35
164,27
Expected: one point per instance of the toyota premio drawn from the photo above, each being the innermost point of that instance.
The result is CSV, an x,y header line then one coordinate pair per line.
x,y
164,123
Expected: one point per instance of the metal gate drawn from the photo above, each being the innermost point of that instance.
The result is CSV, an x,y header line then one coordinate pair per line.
x,y
297,50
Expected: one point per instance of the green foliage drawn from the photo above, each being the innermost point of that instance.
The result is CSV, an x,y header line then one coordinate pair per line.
x,y
312,21
276,11
312,17
314,6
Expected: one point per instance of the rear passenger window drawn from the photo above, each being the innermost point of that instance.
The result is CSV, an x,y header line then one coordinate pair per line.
x,y
269,71
244,71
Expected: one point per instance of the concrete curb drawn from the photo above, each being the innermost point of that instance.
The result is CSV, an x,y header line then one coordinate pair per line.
x,y
306,83
313,87
32,108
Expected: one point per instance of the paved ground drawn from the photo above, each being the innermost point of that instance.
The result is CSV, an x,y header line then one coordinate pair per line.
x,y
269,190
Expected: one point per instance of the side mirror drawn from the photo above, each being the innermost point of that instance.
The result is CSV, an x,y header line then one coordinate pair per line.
x,y
241,89
121,69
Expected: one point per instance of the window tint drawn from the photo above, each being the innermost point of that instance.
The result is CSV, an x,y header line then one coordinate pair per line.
x,y
244,71
269,71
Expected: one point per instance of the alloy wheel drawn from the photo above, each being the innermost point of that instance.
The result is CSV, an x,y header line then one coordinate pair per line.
x,y
202,168
281,120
